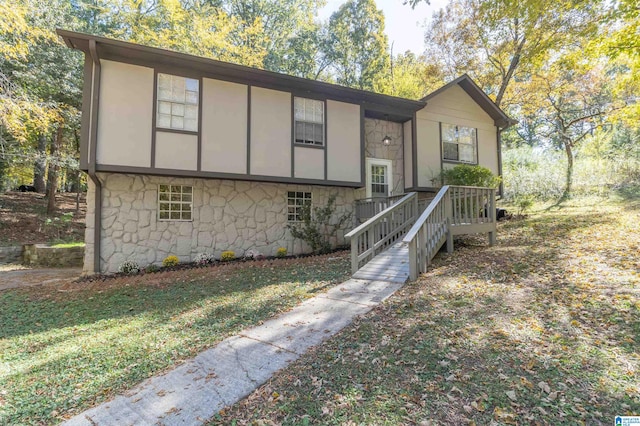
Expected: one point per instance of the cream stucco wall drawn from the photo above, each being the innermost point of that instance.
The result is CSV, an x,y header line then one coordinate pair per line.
x,y
176,151
270,132
343,142
126,111
309,162
224,126
227,215
452,106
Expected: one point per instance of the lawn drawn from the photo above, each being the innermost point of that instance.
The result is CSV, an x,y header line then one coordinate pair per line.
x,y
65,348
542,328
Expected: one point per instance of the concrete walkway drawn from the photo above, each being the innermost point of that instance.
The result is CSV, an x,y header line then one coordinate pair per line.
x,y
31,277
196,390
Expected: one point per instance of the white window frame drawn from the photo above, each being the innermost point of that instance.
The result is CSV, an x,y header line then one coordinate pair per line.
x,y
177,106
305,113
172,200
295,202
458,143
378,162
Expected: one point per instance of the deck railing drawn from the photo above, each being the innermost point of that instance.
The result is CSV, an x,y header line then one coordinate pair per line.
x,y
382,230
367,208
455,210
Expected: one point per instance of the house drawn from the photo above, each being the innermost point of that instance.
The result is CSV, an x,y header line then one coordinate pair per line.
x,y
188,155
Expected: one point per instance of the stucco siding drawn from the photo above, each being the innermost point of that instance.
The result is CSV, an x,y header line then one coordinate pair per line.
x,y
270,132
227,215
126,111
176,151
224,126
309,163
343,142
428,151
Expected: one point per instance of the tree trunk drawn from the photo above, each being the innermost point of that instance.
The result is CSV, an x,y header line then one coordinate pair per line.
x,y
567,188
52,184
40,165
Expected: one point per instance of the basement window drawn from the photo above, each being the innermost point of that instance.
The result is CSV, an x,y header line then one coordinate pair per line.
x,y
296,200
175,202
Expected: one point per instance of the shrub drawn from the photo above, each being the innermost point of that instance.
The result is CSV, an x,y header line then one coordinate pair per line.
x,y
281,252
467,175
253,254
170,261
316,228
151,269
228,255
204,259
523,203
129,267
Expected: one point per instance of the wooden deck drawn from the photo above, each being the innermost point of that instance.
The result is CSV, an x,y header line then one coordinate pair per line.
x,y
390,265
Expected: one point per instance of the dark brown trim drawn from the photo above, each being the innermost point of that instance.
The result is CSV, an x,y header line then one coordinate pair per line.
x,y
499,144
92,148
97,223
108,168
441,152
414,150
248,130
154,114
86,112
306,145
204,67
178,131
458,162
363,154
404,177
200,97
293,135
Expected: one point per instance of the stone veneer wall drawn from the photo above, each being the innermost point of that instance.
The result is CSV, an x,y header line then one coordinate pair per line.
x,y
227,215
375,131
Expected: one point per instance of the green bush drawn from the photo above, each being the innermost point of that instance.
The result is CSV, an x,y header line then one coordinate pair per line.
x,y
467,175
228,255
316,227
281,252
170,261
151,269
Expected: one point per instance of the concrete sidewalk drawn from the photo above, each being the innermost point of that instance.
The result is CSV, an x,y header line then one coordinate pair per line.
x,y
196,390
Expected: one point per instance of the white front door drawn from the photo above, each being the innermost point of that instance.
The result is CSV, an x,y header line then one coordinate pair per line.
x,y
379,177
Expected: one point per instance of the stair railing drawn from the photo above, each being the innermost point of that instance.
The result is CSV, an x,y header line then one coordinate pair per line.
x,y
382,230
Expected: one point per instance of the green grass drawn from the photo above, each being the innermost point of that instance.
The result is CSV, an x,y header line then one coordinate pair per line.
x,y
69,244
542,328
65,349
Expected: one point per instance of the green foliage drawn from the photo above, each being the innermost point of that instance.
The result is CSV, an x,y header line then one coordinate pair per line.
x,y
281,252
61,224
129,267
317,227
468,175
152,268
170,261
523,203
227,256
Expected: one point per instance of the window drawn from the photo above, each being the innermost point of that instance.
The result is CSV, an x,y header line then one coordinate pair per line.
x,y
175,202
459,143
177,103
309,121
295,202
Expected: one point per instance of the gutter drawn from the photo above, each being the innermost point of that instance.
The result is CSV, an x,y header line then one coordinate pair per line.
x,y
92,145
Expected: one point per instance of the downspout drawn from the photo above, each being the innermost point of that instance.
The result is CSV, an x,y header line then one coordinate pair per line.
x,y
499,143
92,146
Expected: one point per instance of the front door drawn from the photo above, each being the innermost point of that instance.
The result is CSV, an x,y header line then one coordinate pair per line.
x,y
379,177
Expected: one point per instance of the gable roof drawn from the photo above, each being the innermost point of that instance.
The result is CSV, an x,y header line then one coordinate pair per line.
x,y
480,97
110,49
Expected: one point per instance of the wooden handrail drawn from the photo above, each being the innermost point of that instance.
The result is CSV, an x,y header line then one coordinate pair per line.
x,y
360,228
425,214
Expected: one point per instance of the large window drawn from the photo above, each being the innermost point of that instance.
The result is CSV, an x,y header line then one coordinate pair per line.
x,y
175,202
459,143
295,202
177,103
309,119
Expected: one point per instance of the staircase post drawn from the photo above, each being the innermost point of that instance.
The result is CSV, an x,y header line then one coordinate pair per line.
x,y
354,255
413,260
492,216
448,209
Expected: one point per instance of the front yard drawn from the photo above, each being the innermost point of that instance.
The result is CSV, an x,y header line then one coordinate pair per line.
x,y
544,328
65,348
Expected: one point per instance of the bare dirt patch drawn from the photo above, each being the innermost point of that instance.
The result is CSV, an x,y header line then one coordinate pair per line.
x,y
23,219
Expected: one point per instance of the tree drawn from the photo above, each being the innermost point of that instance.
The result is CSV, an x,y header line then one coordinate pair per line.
x,y
357,48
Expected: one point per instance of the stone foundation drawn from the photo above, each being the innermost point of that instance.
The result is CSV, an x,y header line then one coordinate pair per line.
x,y
11,254
42,255
226,215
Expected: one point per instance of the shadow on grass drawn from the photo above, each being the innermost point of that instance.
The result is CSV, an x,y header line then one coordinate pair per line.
x,y
630,195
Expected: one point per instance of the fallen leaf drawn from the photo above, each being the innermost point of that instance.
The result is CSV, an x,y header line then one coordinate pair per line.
x,y
512,395
545,387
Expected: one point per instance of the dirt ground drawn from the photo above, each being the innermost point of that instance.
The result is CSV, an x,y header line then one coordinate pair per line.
x,y
23,219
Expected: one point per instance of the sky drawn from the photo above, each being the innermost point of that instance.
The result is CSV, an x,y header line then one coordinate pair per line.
x,y
403,25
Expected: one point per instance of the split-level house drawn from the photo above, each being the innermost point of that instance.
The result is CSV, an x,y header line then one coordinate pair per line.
x,y
188,155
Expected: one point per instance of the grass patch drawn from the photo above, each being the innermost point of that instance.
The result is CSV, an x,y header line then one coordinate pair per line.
x,y
68,245
542,328
66,348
